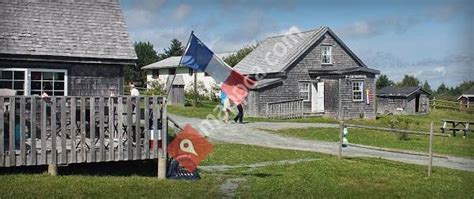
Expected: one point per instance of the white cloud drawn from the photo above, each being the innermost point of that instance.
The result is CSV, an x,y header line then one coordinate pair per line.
x,y
451,70
397,24
182,11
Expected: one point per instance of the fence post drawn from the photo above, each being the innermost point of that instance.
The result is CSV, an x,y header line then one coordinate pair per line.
x,y
430,164
341,136
53,169
164,141
434,103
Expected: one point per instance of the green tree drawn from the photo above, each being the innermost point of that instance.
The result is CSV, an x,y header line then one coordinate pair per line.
x,y
409,81
236,57
427,87
146,55
176,49
442,89
383,81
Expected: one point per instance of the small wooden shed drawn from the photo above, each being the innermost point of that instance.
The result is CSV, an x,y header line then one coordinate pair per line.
x,y
466,100
176,94
402,101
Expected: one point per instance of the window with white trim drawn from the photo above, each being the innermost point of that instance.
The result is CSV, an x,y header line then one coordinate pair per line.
x,y
34,81
357,91
326,54
304,90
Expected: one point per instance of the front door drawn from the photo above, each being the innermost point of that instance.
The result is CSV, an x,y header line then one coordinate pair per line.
x,y
317,97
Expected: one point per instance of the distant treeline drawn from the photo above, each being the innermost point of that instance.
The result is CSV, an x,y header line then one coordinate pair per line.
x,y
442,92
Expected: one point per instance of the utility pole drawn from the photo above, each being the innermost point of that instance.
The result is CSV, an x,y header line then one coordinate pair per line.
x,y
195,89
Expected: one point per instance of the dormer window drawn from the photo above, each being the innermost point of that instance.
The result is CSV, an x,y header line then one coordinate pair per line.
x,y
326,54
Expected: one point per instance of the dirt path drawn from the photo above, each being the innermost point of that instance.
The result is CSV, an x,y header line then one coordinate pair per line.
x,y
251,134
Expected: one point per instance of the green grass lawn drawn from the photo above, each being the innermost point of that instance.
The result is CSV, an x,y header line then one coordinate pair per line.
x,y
326,177
416,122
442,145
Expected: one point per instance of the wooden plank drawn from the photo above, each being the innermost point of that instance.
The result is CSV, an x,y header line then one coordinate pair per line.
x,y
92,130
63,131
54,154
146,130
164,127
430,150
2,127
120,127
111,129
83,130
156,115
23,159
393,130
101,130
33,133
43,132
12,132
137,155
73,130
129,129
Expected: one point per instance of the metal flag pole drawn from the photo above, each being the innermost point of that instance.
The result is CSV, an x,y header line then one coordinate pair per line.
x,y
168,87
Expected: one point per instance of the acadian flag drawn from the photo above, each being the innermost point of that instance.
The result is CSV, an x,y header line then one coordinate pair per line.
x,y
199,57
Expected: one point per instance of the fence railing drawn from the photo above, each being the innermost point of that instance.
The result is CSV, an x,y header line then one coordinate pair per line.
x,y
285,109
450,105
65,130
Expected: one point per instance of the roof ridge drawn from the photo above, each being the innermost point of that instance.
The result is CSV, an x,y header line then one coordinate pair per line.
x,y
316,29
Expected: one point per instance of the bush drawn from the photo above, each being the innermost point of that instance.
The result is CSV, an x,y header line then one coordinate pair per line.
x,y
156,88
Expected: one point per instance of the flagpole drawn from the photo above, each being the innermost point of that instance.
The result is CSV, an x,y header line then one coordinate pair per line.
x,y
168,89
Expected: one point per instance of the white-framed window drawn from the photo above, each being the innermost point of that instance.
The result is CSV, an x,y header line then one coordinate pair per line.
x,y
35,81
357,91
304,88
326,54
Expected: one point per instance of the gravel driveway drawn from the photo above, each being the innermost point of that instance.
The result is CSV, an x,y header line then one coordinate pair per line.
x,y
251,134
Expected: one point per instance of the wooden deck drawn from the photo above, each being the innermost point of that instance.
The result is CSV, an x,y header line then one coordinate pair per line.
x,y
67,130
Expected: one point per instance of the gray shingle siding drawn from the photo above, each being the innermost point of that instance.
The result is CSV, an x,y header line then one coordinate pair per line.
x,y
298,71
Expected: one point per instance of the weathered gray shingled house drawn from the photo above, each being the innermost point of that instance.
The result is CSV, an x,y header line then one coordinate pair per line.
x,y
315,66
63,47
403,101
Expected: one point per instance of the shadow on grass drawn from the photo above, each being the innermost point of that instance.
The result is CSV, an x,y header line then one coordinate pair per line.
x,y
123,168
261,175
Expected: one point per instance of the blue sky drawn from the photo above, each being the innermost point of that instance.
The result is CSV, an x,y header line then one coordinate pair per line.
x,y
432,40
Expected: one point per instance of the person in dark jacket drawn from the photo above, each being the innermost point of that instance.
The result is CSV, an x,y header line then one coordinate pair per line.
x,y
240,115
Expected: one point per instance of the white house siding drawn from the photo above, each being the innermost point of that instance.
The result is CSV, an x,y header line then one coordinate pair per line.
x,y
184,72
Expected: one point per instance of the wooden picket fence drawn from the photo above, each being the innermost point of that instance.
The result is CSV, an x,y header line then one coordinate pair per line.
x,y
68,129
285,109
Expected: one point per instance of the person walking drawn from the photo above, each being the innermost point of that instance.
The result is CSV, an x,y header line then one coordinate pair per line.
x,y
240,115
227,109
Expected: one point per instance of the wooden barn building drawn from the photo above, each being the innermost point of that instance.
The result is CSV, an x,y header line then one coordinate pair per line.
x,y
64,47
310,73
403,101
466,100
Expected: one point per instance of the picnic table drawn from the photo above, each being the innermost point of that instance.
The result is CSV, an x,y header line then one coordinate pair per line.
x,y
456,125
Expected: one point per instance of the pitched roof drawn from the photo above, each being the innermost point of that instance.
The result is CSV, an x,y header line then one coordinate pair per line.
x,y
266,82
400,91
260,61
469,93
338,71
65,28
172,62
